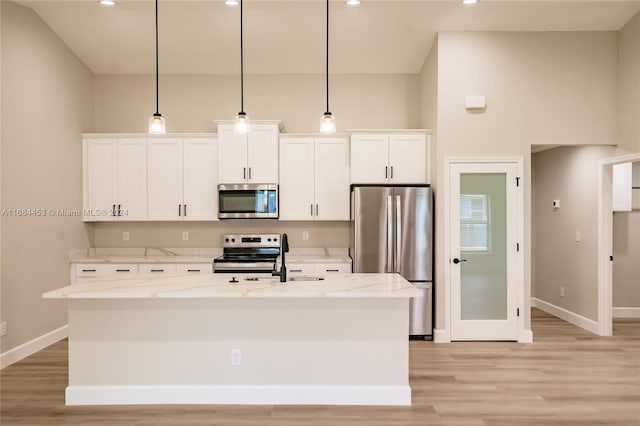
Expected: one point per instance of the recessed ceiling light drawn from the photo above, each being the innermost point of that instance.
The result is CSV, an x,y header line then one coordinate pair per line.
x,y
353,2
469,1
107,2
231,2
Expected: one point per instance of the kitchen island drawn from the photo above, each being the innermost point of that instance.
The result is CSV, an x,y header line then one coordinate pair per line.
x,y
200,339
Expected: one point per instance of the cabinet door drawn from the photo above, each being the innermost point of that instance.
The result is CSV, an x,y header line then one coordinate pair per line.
x,y
369,159
332,179
263,154
408,158
232,156
164,179
100,179
132,179
200,179
296,191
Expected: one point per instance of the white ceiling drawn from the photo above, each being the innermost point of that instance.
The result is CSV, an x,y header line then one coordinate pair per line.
x,y
202,37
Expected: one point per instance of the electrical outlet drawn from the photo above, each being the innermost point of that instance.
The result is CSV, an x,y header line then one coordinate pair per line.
x,y
561,291
185,236
305,235
125,236
3,329
236,357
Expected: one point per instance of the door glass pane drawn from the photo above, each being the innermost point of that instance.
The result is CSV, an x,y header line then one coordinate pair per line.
x,y
483,237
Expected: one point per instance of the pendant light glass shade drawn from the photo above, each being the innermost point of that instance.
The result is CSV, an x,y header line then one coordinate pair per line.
x,y
157,125
242,124
327,123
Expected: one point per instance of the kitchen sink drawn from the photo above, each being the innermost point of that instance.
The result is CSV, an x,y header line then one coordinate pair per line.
x,y
305,279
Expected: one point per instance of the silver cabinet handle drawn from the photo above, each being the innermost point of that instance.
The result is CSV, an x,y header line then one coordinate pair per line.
x,y
332,270
386,172
244,173
317,211
249,172
398,234
113,210
119,210
389,236
311,205
157,270
88,270
123,270
295,270
185,210
179,210
391,172
193,270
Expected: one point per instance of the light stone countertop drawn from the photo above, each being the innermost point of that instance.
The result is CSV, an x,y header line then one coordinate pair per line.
x,y
196,255
214,286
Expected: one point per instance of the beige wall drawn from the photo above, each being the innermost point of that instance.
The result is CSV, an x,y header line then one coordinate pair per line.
x,y
429,104
568,174
46,103
629,85
626,251
541,88
191,103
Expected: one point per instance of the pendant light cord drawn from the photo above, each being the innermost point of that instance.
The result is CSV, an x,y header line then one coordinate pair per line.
x,y
157,68
327,62
241,64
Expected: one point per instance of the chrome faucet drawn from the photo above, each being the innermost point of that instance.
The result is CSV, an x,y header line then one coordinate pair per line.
x,y
283,267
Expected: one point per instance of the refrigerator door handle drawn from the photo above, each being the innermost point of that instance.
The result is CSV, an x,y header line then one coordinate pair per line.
x,y
398,234
390,266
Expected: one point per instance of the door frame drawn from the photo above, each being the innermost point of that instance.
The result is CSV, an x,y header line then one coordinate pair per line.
x,y
524,336
605,240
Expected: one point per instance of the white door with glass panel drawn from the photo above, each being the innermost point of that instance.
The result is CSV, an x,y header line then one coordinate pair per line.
x,y
484,254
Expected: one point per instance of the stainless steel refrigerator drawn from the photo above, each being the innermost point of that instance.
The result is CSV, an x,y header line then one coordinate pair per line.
x,y
392,231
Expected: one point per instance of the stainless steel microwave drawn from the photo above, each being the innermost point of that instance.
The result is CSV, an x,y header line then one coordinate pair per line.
x,y
248,201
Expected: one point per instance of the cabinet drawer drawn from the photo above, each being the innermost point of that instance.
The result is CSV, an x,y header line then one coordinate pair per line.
x,y
101,269
328,268
157,268
300,268
194,268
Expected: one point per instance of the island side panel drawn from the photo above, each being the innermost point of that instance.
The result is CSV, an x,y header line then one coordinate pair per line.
x,y
283,342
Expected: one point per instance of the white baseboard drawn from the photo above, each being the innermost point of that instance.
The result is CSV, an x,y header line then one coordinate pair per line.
x,y
626,312
31,347
572,317
441,336
240,394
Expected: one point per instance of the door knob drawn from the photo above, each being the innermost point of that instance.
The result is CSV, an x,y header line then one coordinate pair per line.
x,y
456,260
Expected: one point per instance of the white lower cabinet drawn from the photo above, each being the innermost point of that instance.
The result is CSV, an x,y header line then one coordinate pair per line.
x,y
157,268
102,269
318,268
194,268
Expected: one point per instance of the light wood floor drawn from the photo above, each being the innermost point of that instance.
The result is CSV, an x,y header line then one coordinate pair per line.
x,y
567,377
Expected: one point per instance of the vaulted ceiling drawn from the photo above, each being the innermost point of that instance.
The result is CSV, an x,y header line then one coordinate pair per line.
x,y
202,37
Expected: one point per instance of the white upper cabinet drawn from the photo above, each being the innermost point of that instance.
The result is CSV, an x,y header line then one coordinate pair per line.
x,y
314,178
114,179
389,158
250,157
182,179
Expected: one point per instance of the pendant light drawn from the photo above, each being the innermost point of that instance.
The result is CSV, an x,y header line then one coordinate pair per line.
x,y
327,122
157,125
242,119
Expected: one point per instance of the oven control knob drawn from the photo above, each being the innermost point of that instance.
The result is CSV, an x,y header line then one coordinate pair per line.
x,y
275,239
226,240
233,240
268,239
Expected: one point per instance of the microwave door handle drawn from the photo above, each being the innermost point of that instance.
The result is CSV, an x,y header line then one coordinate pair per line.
x,y
266,197
389,236
398,234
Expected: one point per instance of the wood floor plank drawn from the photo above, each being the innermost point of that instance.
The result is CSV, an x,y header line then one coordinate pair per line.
x,y
568,376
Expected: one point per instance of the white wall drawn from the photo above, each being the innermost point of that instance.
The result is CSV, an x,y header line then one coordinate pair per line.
x,y
541,88
568,174
629,85
46,103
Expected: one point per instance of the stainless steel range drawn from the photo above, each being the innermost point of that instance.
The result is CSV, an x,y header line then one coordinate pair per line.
x,y
254,253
